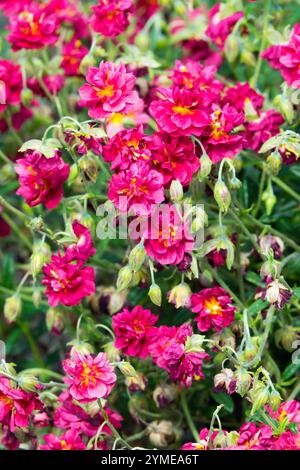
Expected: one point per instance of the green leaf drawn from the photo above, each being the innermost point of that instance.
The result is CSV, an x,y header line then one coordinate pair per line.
x,y
290,371
257,307
224,399
8,270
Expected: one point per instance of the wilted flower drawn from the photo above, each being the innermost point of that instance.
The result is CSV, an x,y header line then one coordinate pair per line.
x,y
180,295
161,433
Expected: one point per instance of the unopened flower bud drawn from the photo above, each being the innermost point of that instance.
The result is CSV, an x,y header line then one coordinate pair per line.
x,y
155,294
36,224
234,183
40,256
270,268
142,41
137,257
243,381
274,162
26,96
247,58
161,433
180,295
164,394
136,383
176,191
222,196
124,278
231,48
112,353
81,347
285,337
89,164
27,382
269,199
87,61
55,321
274,400
199,221
259,397
285,106
12,308
205,167
127,369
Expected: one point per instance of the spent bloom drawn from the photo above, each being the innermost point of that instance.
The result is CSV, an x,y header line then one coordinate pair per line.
x,y
110,89
89,378
111,17
133,331
41,179
67,283
214,308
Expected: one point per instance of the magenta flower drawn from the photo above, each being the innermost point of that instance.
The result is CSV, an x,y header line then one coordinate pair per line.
x,y
41,179
70,415
67,283
32,28
133,331
54,83
220,27
261,129
242,96
111,17
16,405
134,115
214,308
180,111
127,147
219,141
168,238
71,440
174,158
72,54
89,378
286,58
11,84
136,189
110,89
167,349
83,249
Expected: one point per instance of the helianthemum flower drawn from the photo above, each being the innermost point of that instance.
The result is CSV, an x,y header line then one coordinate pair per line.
x,y
110,89
137,189
167,239
67,283
32,28
111,17
72,54
133,331
180,111
174,158
16,405
41,178
83,248
89,378
11,84
214,308
71,440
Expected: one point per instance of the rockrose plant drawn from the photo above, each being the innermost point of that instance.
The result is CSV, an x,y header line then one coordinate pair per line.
x,y
149,225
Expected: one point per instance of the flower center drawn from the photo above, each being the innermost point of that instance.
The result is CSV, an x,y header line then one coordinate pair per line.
x,y
182,110
107,92
213,306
